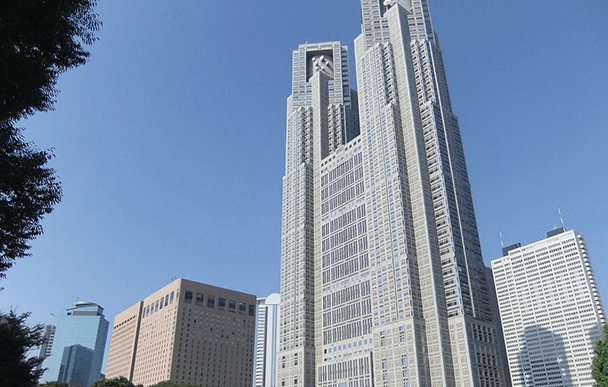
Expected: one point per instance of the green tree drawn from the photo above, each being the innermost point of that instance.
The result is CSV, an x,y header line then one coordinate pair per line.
x,y
600,362
16,341
54,384
39,39
28,191
168,383
116,382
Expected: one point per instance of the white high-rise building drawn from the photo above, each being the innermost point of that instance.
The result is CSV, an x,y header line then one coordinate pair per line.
x,y
382,279
267,341
551,310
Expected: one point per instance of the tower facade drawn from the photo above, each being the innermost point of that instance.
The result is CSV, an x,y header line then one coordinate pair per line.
x,y
551,310
382,279
78,347
267,341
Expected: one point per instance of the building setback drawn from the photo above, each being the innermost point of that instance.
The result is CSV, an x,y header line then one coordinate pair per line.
x,y
78,346
382,279
123,344
550,309
267,341
188,332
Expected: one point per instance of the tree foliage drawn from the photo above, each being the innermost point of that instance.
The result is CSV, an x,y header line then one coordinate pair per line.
x,y
116,382
168,383
16,341
40,39
54,384
28,191
600,362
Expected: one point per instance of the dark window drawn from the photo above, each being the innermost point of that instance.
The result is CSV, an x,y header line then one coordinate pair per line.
x,y
166,300
242,308
232,306
210,301
251,310
200,299
188,297
161,303
221,303
156,307
171,299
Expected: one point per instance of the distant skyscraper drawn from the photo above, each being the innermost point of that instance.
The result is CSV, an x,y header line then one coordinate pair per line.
x,y
47,345
186,332
551,310
382,279
267,341
79,343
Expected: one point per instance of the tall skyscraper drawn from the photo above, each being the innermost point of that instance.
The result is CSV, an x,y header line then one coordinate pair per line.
x,y
186,332
382,279
79,343
267,341
551,310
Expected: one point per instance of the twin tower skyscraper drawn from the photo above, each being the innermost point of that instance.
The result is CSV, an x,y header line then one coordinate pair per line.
x,y
382,279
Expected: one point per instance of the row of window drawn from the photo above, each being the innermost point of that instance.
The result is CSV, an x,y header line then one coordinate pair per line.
x,y
221,303
348,294
344,220
345,251
159,304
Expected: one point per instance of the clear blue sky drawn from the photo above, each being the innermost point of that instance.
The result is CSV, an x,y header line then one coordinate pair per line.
x,y
170,141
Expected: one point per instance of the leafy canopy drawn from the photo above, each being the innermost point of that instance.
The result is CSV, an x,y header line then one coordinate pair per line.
x,y
168,383
600,362
40,39
16,341
116,382
28,191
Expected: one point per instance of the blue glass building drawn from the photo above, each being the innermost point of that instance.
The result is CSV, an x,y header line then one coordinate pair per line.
x,y
80,340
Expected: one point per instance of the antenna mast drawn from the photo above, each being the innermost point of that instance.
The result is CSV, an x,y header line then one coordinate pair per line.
x,y
559,212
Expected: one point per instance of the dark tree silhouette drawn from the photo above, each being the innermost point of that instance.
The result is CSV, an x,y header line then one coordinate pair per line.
x,y
116,382
28,191
39,39
170,384
16,340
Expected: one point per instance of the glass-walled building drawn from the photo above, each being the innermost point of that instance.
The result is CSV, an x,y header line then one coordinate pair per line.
x,y
78,347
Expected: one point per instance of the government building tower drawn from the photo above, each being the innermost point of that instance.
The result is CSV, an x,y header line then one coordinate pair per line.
x,y
382,279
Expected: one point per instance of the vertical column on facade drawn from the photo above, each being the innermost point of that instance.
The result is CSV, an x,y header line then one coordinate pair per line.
x,y
429,265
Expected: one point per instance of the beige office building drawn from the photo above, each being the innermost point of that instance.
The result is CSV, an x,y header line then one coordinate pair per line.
x,y
188,332
123,344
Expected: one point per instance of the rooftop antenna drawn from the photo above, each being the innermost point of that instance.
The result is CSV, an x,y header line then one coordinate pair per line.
x,y
559,212
502,243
